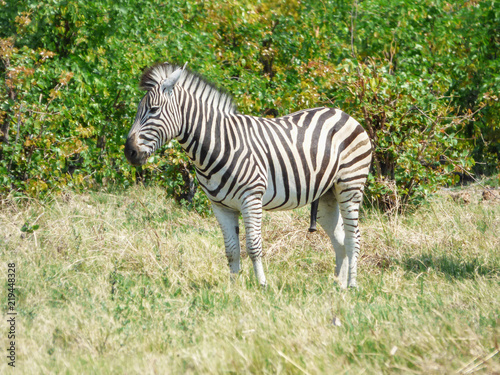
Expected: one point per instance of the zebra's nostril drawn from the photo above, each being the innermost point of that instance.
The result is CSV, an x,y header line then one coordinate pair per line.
x,y
132,153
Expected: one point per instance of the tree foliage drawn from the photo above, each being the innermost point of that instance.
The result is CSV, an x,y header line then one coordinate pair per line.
x,y
422,78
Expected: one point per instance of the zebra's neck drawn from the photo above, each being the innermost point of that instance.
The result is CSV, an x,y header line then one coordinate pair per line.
x,y
202,131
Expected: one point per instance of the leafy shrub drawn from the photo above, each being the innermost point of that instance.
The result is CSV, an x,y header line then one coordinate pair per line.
x,y
421,78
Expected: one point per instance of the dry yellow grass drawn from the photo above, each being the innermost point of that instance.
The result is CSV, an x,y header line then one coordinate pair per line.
x,y
129,283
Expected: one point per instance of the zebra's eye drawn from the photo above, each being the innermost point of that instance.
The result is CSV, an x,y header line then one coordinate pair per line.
x,y
154,108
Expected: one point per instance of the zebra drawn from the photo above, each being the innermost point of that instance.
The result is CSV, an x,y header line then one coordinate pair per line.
x,y
245,164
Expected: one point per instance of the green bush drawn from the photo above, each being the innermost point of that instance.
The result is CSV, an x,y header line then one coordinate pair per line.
x,y
421,78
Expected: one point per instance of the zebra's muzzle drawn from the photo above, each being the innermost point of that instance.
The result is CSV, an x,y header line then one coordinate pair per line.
x,y
134,156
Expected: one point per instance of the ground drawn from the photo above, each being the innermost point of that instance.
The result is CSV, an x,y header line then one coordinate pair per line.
x,y
128,283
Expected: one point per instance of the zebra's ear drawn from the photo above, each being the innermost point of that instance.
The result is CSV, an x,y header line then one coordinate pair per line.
x,y
168,84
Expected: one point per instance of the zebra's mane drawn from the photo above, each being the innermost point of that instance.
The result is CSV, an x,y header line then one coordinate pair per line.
x,y
191,82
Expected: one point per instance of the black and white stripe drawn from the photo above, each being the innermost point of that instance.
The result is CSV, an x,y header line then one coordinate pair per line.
x,y
247,164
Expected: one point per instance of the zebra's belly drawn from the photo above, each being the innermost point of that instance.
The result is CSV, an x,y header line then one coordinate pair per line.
x,y
286,194
280,194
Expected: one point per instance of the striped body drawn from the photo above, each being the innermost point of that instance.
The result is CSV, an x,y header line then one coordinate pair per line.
x,y
246,164
292,160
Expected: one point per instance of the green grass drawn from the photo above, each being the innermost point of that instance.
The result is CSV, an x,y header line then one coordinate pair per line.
x,y
128,283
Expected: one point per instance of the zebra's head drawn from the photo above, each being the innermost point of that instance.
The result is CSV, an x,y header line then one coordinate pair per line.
x,y
157,121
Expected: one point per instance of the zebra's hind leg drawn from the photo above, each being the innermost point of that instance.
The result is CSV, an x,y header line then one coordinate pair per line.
x,y
252,217
330,219
228,221
349,199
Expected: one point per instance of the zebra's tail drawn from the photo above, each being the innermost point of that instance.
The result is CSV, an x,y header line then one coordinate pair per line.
x,y
314,214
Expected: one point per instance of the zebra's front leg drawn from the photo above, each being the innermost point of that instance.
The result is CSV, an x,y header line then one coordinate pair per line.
x,y
252,217
228,221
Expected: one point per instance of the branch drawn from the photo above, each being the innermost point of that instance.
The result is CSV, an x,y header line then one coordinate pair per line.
x,y
354,14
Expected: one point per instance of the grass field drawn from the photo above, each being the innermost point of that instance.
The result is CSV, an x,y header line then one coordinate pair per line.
x,y
128,283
